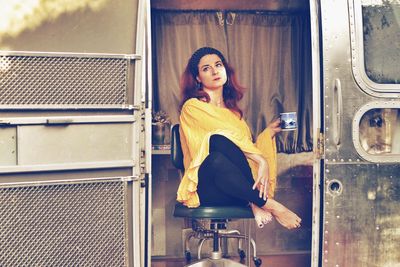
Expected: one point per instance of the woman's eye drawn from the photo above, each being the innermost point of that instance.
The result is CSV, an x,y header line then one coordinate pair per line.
x,y
219,65
206,69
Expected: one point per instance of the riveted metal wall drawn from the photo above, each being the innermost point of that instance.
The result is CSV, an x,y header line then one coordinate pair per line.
x,y
360,196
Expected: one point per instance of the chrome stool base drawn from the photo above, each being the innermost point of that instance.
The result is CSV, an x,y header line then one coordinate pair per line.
x,y
216,263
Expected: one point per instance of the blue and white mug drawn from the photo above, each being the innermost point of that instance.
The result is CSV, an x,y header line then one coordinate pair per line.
x,y
288,121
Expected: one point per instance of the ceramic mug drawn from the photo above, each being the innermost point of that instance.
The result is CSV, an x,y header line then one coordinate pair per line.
x,y
288,121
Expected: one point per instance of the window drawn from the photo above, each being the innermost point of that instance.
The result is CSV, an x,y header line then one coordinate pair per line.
x,y
381,39
376,132
375,45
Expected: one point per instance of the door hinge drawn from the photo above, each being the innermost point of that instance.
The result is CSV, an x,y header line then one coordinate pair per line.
x,y
145,180
320,146
4,123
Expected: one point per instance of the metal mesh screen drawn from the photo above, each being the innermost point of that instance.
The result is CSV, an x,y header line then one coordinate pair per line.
x,y
64,225
38,80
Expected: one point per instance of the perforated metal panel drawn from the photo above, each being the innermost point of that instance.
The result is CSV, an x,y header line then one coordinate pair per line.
x,y
64,225
57,80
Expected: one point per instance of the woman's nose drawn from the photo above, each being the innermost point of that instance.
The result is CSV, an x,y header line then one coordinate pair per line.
x,y
214,71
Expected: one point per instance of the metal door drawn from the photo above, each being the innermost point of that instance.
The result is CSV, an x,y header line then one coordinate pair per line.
x,y
360,197
72,133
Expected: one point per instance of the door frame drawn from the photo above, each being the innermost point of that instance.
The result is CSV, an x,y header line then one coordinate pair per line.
x,y
317,128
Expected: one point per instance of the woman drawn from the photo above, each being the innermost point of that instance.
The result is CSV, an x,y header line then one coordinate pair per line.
x,y
220,157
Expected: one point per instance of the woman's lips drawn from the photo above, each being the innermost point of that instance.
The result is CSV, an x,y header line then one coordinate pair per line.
x,y
216,79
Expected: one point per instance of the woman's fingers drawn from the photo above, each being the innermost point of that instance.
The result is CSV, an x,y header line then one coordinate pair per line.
x,y
262,180
276,123
265,190
256,183
262,184
276,128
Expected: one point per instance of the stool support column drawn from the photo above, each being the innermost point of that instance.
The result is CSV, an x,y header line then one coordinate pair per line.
x,y
215,241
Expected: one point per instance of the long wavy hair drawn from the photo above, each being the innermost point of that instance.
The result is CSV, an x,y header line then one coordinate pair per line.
x,y
232,91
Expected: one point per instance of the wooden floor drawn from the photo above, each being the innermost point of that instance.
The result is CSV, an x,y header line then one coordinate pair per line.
x,y
290,260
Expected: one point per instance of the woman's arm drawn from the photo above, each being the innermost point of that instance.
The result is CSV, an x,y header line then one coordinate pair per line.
x,y
263,174
263,171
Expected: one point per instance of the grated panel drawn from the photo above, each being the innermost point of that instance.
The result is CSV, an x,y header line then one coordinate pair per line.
x,y
40,80
64,225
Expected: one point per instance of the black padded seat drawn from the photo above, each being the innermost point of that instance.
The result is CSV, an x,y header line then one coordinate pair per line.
x,y
221,212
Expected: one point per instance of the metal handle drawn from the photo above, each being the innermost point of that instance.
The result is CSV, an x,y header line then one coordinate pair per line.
x,y
57,121
337,112
4,123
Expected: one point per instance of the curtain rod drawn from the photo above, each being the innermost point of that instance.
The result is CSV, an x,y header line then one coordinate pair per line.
x,y
269,12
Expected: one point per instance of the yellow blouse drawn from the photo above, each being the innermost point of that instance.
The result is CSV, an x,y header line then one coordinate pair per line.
x,y
200,120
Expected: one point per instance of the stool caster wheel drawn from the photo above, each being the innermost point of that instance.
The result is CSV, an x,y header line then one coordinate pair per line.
x,y
188,256
257,262
242,254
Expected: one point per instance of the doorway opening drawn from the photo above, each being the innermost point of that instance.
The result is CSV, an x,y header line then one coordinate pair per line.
x,y
270,49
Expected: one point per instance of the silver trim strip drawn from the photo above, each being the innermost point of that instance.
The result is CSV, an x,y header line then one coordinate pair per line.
x,y
71,181
67,119
68,166
68,107
67,54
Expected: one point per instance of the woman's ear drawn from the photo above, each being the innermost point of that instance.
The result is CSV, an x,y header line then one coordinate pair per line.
x,y
198,79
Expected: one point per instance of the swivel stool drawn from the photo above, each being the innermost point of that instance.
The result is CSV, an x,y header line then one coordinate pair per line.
x,y
218,218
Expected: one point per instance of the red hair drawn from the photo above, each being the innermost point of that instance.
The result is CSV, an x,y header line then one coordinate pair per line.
x,y
232,91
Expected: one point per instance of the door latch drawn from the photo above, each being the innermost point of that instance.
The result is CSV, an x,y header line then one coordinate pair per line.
x,y
320,146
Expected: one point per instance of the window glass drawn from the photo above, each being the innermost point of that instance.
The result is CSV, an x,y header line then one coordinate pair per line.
x,y
381,33
380,131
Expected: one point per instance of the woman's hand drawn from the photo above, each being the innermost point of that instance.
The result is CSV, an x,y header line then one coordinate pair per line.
x,y
262,179
262,176
275,127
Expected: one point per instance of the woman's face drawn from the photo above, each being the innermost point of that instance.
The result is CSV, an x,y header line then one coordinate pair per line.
x,y
212,73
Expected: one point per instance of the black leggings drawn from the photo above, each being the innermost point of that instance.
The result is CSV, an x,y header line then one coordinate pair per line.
x,y
225,177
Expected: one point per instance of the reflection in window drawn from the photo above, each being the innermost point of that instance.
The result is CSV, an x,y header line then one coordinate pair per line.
x,y
381,21
380,131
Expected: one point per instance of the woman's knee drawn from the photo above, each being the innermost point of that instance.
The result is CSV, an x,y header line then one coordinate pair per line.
x,y
221,143
216,159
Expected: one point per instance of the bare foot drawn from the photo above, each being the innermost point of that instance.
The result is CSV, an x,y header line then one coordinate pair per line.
x,y
261,216
283,215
